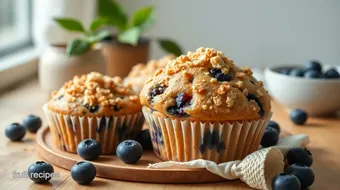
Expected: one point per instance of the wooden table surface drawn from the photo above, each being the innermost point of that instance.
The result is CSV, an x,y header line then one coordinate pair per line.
x,y
27,98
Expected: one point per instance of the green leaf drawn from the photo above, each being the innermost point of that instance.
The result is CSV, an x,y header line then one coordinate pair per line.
x,y
70,24
99,36
143,18
170,46
97,23
111,10
77,47
129,36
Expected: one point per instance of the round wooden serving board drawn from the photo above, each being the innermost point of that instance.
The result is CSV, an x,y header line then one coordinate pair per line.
x,y
111,167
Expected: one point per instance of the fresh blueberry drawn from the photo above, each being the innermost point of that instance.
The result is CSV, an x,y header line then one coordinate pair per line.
x,y
313,65
89,149
331,74
40,172
92,109
296,73
144,139
285,71
299,156
313,74
15,132
159,89
219,75
32,123
298,116
286,182
274,125
83,172
304,173
270,137
182,101
257,100
129,151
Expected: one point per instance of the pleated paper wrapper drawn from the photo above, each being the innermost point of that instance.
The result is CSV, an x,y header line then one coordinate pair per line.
x,y
184,140
257,169
68,131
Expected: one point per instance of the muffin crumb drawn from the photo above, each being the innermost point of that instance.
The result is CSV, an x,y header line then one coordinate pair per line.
x,y
258,91
213,80
239,84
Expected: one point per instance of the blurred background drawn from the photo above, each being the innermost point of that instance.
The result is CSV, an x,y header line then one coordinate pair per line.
x,y
254,33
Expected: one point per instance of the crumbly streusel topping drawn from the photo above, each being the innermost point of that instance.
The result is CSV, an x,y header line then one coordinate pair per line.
x,y
211,80
150,67
94,91
141,72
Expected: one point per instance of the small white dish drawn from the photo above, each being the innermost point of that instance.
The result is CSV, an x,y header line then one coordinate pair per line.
x,y
315,96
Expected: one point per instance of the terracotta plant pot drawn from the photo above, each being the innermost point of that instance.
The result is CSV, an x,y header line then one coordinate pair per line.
x,y
122,57
56,67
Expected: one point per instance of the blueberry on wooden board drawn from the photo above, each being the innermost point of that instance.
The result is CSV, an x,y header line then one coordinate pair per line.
x,y
304,173
274,125
89,149
15,132
129,151
286,182
40,172
32,123
299,156
270,137
298,116
83,172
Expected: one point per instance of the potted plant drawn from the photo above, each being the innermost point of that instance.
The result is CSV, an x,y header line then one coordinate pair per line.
x,y
126,47
60,62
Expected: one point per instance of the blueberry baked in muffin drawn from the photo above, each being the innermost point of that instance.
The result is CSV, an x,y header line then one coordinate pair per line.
x,y
201,105
94,106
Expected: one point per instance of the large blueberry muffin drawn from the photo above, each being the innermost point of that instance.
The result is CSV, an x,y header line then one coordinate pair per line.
x,y
198,100
141,72
94,106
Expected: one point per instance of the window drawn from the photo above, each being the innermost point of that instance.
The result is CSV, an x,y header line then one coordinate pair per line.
x,y
15,26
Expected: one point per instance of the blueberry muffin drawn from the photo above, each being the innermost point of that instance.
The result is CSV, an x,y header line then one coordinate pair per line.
x,y
94,106
141,72
201,105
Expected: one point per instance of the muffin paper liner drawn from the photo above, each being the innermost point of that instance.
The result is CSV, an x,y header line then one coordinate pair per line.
x,y
67,130
184,140
257,169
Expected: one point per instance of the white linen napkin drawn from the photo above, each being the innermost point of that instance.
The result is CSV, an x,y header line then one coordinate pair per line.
x,y
257,169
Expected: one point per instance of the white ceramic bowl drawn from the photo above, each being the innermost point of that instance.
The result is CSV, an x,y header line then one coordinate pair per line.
x,y
315,96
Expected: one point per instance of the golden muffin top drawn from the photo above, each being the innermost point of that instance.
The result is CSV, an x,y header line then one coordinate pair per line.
x,y
95,95
206,85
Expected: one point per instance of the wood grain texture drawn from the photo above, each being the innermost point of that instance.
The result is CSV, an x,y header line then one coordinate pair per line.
x,y
109,166
19,101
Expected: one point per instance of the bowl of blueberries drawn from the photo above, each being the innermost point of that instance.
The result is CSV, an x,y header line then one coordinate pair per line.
x,y
314,87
